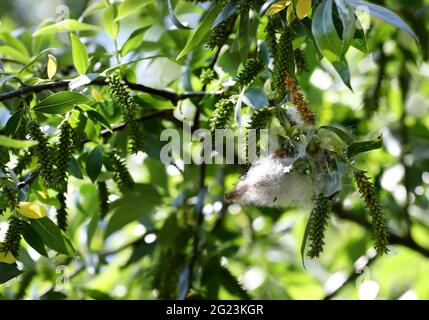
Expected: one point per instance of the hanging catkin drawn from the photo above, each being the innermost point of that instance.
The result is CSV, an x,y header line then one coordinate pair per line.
x,y
249,72
372,203
120,93
317,225
103,198
122,177
13,235
222,114
284,62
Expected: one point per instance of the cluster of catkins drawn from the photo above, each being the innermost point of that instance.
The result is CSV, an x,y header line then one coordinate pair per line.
x,y
295,174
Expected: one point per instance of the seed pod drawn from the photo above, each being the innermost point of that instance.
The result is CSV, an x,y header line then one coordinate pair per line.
x,y
64,153
13,235
122,177
103,197
372,203
121,95
317,225
271,38
249,72
43,152
222,115
62,211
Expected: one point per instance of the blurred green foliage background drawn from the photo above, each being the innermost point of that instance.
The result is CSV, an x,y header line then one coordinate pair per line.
x,y
145,247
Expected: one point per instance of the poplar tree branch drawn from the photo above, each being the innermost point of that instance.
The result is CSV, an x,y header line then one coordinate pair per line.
x,y
173,97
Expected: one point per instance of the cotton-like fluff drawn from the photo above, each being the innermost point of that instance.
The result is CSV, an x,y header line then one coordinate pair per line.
x,y
269,183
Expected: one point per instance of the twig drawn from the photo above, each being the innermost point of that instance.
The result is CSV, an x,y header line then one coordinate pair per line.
x,y
168,95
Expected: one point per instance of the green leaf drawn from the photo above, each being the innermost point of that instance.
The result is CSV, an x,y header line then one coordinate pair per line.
x,y
74,169
111,27
304,241
16,144
255,97
243,36
14,42
34,239
14,54
134,40
342,68
385,15
173,17
60,102
199,35
68,25
365,146
14,122
97,6
52,66
51,235
94,163
98,118
345,136
80,55
37,57
348,20
8,272
135,204
129,7
324,32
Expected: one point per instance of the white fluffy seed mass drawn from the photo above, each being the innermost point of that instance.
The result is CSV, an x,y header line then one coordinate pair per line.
x,y
269,183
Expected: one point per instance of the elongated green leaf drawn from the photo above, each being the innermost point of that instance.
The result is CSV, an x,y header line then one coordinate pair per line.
x,y
199,35
365,146
98,118
14,122
129,7
14,54
16,144
94,163
8,272
346,137
68,25
34,59
385,15
226,12
343,70
109,23
134,40
80,55
243,36
60,102
173,17
348,20
134,205
324,32
74,169
51,235
34,239
97,6
14,42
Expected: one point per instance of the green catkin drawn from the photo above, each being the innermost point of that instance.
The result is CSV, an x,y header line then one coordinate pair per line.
x,y
43,153
284,62
372,203
121,95
9,192
62,211
103,197
13,235
23,162
219,35
24,284
271,38
249,72
222,115
207,75
122,177
300,61
317,225
64,153
258,121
